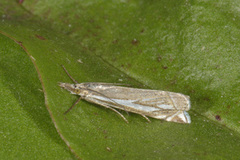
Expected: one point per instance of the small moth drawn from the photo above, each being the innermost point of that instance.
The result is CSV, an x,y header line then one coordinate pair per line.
x,y
157,104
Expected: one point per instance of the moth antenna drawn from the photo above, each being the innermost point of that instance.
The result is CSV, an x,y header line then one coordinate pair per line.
x,y
69,74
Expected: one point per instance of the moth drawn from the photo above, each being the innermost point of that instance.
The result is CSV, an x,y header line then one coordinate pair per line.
x,y
165,105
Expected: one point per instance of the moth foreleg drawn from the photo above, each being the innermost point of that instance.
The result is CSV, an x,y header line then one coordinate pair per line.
x,y
73,105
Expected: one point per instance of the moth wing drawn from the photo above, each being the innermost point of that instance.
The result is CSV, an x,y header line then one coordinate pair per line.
x,y
145,97
179,117
169,110
166,103
168,114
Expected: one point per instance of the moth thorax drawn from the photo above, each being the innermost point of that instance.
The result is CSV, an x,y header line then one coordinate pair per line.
x,y
85,92
81,92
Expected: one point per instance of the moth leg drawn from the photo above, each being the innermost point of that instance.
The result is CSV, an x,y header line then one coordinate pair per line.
x,y
73,105
69,74
107,106
146,118
119,114
114,111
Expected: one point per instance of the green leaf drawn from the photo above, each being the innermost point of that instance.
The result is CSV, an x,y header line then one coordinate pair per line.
x,y
179,46
27,131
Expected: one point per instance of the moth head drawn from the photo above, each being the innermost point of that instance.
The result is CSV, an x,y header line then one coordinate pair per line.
x,y
78,89
70,87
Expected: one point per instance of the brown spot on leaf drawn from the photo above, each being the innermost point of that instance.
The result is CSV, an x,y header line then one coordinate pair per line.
x,y
206,99
21,44
98,27
135,42
126,66
164,67
218,117
115,41
40,37
104,131
142,30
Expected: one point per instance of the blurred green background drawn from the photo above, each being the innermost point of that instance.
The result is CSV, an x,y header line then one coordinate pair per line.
x,y
190,47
